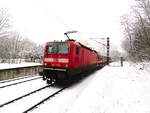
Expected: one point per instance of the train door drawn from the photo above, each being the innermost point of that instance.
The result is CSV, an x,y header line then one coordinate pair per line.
x,y
77,56
82,57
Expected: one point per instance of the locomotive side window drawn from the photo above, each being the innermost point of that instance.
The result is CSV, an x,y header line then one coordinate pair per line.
x,y
77,50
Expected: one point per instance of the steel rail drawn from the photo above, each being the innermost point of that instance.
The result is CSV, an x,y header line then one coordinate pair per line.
x,y
42,101
4,81
19,82
18,98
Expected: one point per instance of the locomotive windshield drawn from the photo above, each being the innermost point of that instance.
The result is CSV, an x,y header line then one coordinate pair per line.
x,y
57,48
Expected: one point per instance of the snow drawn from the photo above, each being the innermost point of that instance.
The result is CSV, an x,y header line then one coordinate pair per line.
x,y
112,89
19,89
23,64
26,102
62,102
116,90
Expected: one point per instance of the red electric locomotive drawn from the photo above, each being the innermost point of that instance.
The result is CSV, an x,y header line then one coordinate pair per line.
x,y
63,60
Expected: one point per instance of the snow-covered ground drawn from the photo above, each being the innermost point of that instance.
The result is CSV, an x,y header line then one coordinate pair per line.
x,y
116,90
113,89
23,64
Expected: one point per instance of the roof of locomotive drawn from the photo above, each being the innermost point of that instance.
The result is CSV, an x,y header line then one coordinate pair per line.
x,y
73,41
83,46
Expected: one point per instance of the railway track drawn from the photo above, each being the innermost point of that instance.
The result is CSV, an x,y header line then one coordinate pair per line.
x,y
10,80
45,99
18,98
7,105
19,82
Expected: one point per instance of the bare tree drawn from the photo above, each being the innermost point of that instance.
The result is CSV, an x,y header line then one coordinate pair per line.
x,y
4,34
4,20
127,24
13,45
138,45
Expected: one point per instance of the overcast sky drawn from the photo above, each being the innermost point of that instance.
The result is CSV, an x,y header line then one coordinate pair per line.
x,y
47,20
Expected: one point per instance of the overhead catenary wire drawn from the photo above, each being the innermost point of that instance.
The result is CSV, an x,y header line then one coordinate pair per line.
x,y
54,15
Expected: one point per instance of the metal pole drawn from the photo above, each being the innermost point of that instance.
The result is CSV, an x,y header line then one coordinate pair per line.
x,y
108,50
121,61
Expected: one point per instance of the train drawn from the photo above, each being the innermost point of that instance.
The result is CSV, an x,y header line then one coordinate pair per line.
x,y
64,60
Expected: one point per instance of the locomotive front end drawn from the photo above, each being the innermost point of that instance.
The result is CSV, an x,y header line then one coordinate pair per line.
x,y
56,61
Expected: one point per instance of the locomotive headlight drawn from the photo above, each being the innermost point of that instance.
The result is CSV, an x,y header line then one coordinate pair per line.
x,y
48,59
45,64
66,65
63,60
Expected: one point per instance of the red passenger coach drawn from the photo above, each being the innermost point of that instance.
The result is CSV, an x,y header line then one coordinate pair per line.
x,y
63,60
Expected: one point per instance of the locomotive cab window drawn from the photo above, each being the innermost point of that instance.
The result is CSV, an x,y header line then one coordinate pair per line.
x,y
77,50
51,49
57,48
63,48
